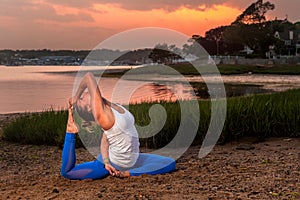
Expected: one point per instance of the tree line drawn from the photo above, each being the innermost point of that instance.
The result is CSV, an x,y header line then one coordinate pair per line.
x,y
250,29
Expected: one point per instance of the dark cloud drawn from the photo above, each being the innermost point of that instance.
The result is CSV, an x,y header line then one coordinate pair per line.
x,y
167,5
289,7
27,10
239,4
282,8
74,3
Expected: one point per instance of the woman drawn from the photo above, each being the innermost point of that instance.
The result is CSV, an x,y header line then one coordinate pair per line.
x,y
120,155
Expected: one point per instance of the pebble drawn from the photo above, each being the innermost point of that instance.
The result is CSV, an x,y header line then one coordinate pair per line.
x,y
245,147
169,187
55,190
99,195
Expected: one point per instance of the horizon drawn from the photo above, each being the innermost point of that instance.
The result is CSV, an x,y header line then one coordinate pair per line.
x,y
74,25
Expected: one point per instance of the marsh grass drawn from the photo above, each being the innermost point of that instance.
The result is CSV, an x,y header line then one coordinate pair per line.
x,y
46,127
260,116
263,116
37,128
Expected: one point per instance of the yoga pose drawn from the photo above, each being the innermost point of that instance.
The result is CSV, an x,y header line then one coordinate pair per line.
x,y
120,154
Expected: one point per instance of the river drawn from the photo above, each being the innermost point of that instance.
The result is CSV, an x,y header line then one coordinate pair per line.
x,y
38,88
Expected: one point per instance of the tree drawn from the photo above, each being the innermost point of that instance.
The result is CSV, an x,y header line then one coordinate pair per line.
x,y
216,36
164,53
255,13
193,47
251,28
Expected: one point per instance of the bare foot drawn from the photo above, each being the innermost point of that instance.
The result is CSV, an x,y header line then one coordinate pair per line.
x,y
71,125
123,174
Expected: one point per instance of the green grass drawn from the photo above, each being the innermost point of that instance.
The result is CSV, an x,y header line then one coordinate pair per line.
x,y
46,127
37,128
261,116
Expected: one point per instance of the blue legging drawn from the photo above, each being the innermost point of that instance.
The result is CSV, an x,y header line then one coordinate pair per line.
x,y
146,164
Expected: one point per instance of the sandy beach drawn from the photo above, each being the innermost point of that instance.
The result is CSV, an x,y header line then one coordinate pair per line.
x,y
236,170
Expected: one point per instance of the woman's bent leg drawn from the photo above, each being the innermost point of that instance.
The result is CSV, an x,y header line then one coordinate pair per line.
x,y
88,170
152,164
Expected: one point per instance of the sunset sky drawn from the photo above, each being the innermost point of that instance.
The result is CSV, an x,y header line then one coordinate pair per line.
x,y
82,24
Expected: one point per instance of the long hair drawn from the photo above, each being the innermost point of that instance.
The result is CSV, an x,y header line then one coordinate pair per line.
x,y
85,115
90,132
87,121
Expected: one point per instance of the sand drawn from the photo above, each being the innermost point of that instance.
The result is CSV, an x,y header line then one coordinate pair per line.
x,y
237,170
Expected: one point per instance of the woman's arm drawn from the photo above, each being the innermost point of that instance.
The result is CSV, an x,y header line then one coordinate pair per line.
x,y
86,82
104,151
97,104
104,147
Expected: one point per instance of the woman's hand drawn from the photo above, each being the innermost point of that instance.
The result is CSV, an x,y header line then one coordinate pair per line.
x,y
111,170
115,172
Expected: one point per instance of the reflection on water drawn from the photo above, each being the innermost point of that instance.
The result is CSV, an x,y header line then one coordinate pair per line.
x,y
173,91
31,89
166,91
232,90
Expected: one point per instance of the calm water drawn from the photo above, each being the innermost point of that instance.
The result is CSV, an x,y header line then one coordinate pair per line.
x,y
37,88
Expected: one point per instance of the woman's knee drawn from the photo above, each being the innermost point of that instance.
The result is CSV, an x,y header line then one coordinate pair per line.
x,y
64,174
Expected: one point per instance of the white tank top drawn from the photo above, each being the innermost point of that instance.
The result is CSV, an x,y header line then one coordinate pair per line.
x,y
123,139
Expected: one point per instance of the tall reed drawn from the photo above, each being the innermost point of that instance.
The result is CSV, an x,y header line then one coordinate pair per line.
x,y
261,116
46,127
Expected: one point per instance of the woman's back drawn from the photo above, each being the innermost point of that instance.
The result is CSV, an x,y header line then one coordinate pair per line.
x,y
123,138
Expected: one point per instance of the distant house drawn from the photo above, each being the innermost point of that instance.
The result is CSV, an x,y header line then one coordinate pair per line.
x,y
59,60
247,50
291,40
